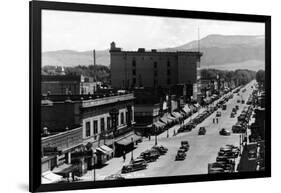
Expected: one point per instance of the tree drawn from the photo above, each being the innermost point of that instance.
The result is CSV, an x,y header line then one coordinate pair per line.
x,y
260,76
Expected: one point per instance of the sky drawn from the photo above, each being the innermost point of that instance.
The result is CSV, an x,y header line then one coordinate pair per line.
x,y
80,31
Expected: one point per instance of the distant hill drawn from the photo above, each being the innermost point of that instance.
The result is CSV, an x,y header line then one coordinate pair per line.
x,y
70,58
219,51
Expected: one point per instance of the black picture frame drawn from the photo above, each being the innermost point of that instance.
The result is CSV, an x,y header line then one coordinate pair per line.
x,y
36,8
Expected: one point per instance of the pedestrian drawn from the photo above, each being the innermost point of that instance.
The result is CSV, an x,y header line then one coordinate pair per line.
x,y
174,132
124,156
217,120
213,120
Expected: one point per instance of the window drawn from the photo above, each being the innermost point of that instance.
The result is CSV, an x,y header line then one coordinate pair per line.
x,y
95,127
102,124
168,81
122,118
155,64
88,129
168,72
134,72
134,81
134,62
168,63
155,73
108,123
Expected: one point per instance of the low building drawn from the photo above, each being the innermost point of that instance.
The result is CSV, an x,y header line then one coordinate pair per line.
x,y
68,84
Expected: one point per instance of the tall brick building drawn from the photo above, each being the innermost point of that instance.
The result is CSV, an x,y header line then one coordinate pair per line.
x,y
152,69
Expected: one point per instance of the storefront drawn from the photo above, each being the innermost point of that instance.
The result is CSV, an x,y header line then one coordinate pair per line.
x,y
126,144
104,153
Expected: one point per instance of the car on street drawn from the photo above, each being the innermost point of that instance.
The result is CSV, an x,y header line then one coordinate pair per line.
x,y
237,107
149,155
225,159
238,101
114,177
180,155
185,128
218,114
224,106
160,148
134,165
232,115
202,131
185,145
224,132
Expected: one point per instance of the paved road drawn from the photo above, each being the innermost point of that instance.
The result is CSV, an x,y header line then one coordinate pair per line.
x,y
203,149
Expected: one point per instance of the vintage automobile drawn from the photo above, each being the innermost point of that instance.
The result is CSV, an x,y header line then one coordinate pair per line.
x,y
202,131
114,177
150,155
228,154
134,165
224,132
224,106
218,114
161,149
238,128
237,107
185,128
180,155
225,166
225,159
214,170
185,145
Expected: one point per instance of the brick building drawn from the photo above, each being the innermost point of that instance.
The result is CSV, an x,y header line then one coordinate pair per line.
x,y
152,68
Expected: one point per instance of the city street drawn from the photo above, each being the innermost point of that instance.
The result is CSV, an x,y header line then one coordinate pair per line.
x,y
203,148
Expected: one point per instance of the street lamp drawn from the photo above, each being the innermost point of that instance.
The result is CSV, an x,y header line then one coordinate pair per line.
x,y
155,134
132,155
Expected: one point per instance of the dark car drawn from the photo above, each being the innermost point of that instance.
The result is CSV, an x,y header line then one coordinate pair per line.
x,y
224,106
149,155
180,155
237,107
134,165
232,115
161,149
185,128
224,159
185,145
218,114
114,177
224,132
202,131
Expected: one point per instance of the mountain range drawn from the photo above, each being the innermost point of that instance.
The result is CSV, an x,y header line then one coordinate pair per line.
x,y
219,51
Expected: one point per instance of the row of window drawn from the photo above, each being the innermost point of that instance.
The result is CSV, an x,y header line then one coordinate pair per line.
x,y
102,124
155,64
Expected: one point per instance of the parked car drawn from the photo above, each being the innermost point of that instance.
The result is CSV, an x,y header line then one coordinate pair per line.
x,y
185,145
186,128
114,177
202,131
224,106
225,159
161,149
232,115
218,114
224,131
134,165
237,107
149,155
180,155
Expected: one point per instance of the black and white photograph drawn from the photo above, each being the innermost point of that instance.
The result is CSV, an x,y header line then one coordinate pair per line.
x,y
134,96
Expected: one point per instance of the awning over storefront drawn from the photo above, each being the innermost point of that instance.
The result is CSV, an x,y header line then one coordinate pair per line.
x,y
105,150
177,115
129,139
159,124
49,177
165,119
186,109
171,118
64,169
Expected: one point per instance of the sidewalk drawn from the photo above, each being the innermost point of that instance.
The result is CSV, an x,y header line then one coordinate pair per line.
x,y
115,164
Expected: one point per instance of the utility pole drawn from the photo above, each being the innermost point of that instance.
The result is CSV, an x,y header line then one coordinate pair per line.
x,y
94,62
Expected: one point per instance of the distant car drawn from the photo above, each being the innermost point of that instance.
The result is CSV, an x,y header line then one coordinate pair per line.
x,y
224,132
185,145
134,165
237,107
114,177
224,107
161,149
238,101
242,101
218,114
202,131
149,156
225,159
214,170
232,115
180,155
